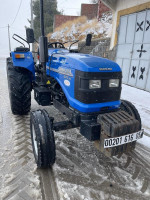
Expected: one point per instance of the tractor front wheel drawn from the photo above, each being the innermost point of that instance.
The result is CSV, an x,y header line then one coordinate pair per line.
x,y
42,137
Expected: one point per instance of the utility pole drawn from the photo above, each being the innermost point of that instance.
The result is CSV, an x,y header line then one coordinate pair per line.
x,y
32,22
9,38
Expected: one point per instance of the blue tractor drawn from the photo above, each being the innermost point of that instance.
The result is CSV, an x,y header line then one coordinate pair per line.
x,y
84,88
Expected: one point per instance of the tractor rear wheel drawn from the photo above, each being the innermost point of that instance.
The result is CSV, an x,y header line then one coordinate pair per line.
x,y
19,86
42,137
132,111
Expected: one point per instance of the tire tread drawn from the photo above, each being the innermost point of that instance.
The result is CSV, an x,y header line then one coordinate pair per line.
x,y
19,85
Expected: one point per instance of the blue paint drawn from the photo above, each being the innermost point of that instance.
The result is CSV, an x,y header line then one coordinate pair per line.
x,y
59,58
26,62
70,62
83,62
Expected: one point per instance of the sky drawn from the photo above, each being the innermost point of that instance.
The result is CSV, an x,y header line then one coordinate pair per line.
x,y
8,15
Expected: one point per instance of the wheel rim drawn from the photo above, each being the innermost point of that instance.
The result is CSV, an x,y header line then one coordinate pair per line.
x,y
34,140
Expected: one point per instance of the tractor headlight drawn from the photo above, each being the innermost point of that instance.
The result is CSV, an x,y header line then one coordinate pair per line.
x,y
114,83
93,84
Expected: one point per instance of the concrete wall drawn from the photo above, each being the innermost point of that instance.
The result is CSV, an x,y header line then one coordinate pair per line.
x,y
88,49
125,7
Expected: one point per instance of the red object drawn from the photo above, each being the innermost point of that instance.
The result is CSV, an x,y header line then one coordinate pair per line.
x,y
101,9
89,10
61,19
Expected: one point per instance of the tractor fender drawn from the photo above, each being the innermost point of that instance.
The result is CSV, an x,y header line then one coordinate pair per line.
x,y
27,62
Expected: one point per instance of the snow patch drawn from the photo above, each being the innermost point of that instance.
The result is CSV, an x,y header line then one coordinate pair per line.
x,y
78,30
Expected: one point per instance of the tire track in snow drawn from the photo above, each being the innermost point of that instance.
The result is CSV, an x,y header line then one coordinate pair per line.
x,y
48,185
80,172
22,180
84,173
18,175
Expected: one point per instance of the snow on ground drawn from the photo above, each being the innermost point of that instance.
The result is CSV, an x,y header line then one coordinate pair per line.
x,y
81,172
18,175
141,100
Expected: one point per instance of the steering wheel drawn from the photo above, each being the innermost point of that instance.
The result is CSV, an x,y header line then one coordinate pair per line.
x,y
55,45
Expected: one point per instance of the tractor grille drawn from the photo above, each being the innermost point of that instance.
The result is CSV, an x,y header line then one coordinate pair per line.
x,y
100,95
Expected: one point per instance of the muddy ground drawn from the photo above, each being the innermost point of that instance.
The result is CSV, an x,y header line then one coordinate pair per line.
x,y
80,171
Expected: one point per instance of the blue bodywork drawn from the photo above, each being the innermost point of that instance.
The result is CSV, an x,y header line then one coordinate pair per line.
x,y
61,65
26,62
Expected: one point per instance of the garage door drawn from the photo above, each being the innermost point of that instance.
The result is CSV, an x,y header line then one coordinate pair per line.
x,y
133,50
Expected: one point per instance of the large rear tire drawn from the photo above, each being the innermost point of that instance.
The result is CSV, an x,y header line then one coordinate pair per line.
x,y
19,86
131,110
42,137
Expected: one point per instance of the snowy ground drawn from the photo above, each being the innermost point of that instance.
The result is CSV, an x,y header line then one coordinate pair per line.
x,y
80,172
18,175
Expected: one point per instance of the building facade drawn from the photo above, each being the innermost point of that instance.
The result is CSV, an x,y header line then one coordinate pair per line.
x,y
131,36
91,11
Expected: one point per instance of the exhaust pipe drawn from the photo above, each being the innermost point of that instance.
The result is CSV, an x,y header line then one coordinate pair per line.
x,y
43,46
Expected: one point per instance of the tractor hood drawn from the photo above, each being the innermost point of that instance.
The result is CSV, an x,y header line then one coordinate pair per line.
x,y
82,62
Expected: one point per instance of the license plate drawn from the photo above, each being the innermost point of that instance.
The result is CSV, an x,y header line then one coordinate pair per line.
x,y
116,141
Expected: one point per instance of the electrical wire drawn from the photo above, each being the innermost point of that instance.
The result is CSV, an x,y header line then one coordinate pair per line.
x,y
17,13
3,27
15,16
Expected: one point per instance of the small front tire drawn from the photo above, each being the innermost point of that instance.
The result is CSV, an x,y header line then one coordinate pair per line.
x,y
42,137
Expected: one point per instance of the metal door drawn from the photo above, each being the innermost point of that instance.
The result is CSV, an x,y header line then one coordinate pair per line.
x,y
125,44
133,52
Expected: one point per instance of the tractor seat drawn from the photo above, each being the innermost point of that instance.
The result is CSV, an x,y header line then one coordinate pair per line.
x,y
21,49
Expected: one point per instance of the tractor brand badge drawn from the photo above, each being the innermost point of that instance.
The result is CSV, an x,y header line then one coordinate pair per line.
x,y
67,83
65,71
105,69
62,70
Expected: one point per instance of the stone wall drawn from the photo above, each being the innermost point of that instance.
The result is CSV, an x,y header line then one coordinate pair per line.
x,y
99,47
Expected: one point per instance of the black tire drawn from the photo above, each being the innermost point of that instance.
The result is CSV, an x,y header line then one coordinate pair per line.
x,y
42,137
131,110
19,86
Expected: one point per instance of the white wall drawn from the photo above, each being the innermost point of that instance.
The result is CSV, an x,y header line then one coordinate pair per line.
x,y
120,5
